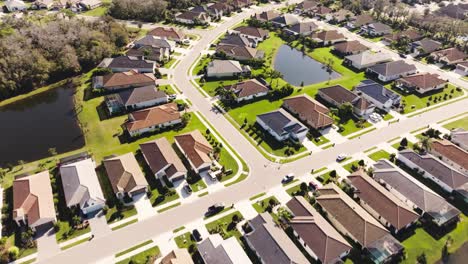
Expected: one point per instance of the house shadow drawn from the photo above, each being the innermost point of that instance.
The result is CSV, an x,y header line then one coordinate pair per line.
x,y
102,111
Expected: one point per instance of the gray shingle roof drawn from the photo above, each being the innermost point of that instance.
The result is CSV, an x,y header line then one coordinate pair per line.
x,y
282,122
398,67
376,91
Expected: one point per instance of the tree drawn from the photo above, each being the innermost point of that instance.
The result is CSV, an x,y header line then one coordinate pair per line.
x,y
332,173
52,151
404,142
345,110
328,66
425,144
76,220
421,259
235,218
303,186
274,74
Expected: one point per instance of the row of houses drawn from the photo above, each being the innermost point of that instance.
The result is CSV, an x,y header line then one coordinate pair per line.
x,y
74,5
203,14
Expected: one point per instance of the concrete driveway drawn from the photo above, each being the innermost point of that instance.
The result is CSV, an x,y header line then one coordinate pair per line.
x,y
99,226
143,207
46,243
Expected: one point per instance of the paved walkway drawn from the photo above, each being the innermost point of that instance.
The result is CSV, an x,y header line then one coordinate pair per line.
x,y
143,206
99,226
47,245
246,209
333,135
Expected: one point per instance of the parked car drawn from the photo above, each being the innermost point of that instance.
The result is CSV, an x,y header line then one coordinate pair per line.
x,y
341,157
173,96
186,41
288,178
187,189
214,209
196,235
313,186
402,55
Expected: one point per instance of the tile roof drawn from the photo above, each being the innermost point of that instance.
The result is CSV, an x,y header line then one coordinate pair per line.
x,y
452,54
327,35
307,4
379,27
398,67
159,155
235,40
451,152
376,91
322,10
363,227
326,243
369,57
282,122
247,88
460,136
342,95
267,15
286,19
130,78
124,173
271,243
397,213
362,20
80,183
350,47
177,256
239,51
152,116
140,95
423,81
190,15
195,146
303,27
33,198
252,31
410,34
309,110
414,191
167,32
126,62
152,41
224,66
428,45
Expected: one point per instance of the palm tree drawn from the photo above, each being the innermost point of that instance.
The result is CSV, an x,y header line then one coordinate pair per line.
x,y
276,75
426,144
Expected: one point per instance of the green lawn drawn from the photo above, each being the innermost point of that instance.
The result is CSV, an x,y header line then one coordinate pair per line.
x,y
350,165
198,69
294,189
257,196
242,177
169,63
124,224
262,205
168,89
112,215
133,248
351,126
169,207
421,242
198,185
66,232
381,154
224,226
460,123
210,86
185,240
75,243
142,257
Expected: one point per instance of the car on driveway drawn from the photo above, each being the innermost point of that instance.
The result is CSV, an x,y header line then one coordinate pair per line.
x,y
214,209
341,157
187,189
313,186
288,178
196,235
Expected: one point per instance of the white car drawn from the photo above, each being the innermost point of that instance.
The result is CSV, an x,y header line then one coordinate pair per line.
x,y
289,177
341,157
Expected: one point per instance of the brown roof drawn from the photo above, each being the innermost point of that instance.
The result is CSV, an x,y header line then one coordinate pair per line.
x,y
153,116
360,224
167,32
267,15
191,15
33,198
130,78
238,51
322,10
423,81
252,31
342,95
350,47
452,54
328,35
316,232
309,110
124,173
307,4
451,152
362,20
195,146
397,213
177,256
247,88
159,154
411,34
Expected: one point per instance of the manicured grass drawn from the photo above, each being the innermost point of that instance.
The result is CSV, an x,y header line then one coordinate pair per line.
x,y
224,226
290,183
261,206
363,133
423,242
198,185
198,69
369,150
66,232
142,257
23,251
319,170
168,89
381,154
203,194
185,240
125,224
257,196
210,86
242,177
460,123
99,11
178,229
351,126
75,243
294,189
168,208
133,248
158,199
350,165
220,212
112,214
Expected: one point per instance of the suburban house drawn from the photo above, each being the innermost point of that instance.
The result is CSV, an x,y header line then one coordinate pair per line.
x,y
128,63
309,111
219,9
134,99
150,119
409,34
349,48
367,59
424,46
302,28
123,80
240,53
196,149
450,56
340,16
193,17
267,16
306,6
238,40
15,5
462,68
354,222
390,211
450,154
226,68
151,41
81,185
327,37
281,125
149,53
378,95
320,11
359,21
338,95
459,136
177,256
285,20
393,70
169,33
269,242
315,234
439,172
238,4
257,34
90,4
125,175
457,11
215,250
42,4
376,29
163,160
414,193
421,83
33,203
247,90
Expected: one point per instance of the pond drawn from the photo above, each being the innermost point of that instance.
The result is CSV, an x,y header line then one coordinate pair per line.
x,y
33,125
299,68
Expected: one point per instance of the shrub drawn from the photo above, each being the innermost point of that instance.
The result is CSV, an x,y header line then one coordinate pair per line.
x,y
13,252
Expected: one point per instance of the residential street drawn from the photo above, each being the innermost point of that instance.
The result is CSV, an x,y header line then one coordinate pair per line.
x,y
263,176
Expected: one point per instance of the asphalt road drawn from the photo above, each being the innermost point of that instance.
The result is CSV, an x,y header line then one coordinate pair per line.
x,y
263,174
